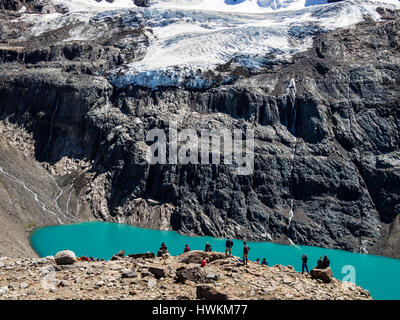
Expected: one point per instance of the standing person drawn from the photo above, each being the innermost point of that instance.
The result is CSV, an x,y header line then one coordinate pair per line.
x,y
246,250
304,258
229,245
187,249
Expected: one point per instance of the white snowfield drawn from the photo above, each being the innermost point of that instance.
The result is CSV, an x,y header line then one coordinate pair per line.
x,y
193,36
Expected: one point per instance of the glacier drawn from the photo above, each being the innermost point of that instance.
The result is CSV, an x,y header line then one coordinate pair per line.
x,y
189,39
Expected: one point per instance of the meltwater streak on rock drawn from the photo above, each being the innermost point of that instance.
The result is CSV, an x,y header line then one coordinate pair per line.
x,y
66,213
36,197
51,129
69,199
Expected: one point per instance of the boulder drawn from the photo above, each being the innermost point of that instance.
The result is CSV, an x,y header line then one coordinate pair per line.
x,y
146,274
148,255
213,276
159,272
65,257
191,273
127,274
205,292
151,283
325,275
196,256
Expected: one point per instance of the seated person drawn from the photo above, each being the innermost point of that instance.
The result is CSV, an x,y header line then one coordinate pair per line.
x,y
208,248
320,263
325,262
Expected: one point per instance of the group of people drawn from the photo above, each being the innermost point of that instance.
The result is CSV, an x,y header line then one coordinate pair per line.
x,y
88,259
228,251
321,263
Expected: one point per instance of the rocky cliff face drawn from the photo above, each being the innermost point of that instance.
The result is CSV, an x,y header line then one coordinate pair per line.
x,y
327,165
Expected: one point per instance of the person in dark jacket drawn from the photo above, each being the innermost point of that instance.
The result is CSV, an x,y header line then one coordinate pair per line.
x,y
163,249
229,245
187,249
325,262
208,248
304,258
264,262
320,263
246,250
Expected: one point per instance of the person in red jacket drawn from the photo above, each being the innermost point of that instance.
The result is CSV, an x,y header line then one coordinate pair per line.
x,y
187,249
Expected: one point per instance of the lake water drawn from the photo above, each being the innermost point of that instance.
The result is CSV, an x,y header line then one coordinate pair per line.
x,y
379,275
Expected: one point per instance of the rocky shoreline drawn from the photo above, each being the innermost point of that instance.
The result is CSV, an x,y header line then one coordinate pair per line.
x,y
137,277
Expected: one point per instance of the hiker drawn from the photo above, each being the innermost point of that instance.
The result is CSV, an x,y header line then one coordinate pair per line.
x,y
163,249
208,247
246,250
304,258
320,263
229,245
325,262
187,249
258,261
203,262
264,262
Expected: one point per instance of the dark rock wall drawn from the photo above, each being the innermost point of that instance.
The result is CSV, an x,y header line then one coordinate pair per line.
x,y
331,146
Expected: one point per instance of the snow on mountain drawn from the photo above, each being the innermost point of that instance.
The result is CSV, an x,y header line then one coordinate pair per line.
x,y
242,6
187,41
190,37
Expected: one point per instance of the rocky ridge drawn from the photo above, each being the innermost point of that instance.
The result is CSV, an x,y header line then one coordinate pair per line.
x,y
126,278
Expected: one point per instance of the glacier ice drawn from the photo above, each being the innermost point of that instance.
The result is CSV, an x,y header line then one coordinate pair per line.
x,y
191,37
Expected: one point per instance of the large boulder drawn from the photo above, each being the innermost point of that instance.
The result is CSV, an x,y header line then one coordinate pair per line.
x,y
65,257
159,272
325,275
205,292
148,255
192,273
196,256
127,274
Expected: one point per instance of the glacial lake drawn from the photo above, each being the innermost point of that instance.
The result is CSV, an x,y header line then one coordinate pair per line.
x,y
379,275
